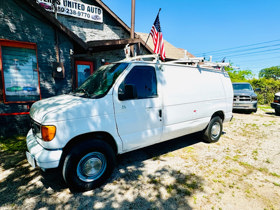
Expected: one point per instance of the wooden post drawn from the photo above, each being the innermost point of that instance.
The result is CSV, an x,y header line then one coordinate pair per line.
x,y
132,29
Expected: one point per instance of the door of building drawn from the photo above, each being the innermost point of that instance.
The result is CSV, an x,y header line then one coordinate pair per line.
x,y
83,70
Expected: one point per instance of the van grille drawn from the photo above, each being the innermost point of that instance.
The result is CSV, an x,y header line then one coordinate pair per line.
x,y
241,98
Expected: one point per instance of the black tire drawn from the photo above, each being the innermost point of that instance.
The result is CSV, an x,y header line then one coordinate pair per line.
x,y
88,165
214,130
277,112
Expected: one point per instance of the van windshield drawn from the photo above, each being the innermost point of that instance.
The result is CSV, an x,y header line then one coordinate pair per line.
x,y
242,87
99,83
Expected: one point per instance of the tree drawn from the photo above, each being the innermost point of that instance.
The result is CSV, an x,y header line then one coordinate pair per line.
x,y
239,75
272,72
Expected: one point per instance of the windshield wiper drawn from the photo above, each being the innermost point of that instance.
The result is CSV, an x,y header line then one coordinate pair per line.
x,y
85,91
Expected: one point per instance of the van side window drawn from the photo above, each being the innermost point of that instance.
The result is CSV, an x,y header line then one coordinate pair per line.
x,y
140,83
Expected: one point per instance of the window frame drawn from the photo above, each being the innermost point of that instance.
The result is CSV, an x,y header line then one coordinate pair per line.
x,y
17,44
78,62
141,66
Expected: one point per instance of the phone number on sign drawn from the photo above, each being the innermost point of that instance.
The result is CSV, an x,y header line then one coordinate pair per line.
x,y
73,12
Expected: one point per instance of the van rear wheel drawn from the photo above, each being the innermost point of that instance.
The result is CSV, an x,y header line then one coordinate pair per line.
x,y
214,130
88,165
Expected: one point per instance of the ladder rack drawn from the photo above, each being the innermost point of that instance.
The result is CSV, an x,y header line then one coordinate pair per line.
x,y
152,57
186,60
195,61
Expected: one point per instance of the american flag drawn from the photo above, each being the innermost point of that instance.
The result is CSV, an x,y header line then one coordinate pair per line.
x,y
157,39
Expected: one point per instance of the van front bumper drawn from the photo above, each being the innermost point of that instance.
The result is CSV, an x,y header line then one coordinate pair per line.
x,y
275,106
39,156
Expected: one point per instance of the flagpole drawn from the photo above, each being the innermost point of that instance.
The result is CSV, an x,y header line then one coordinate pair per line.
x,y
150,33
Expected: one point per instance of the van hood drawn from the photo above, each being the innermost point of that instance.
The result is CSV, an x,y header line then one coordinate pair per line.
x,y
64,107
277,94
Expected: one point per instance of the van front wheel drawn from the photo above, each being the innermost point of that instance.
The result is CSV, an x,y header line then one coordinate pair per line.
x,y
214,130
88,165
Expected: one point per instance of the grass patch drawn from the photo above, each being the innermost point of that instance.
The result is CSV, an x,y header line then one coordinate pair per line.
x,y
13,144
275,174
263,170
264,107
194,199
268,161
156,158
170,188
154,181
247,165
276,184
255,154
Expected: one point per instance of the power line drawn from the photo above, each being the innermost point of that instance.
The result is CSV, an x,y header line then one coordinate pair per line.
x,y
263,52
250,49
260,55
242,46
244,59
255,52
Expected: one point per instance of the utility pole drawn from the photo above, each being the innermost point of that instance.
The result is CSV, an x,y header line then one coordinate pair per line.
x,y
132,25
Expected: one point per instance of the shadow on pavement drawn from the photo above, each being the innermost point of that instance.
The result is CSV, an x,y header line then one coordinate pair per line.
x,y
23,186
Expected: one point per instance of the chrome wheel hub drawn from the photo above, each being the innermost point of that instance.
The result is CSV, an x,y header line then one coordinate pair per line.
x,y
215,130
91,166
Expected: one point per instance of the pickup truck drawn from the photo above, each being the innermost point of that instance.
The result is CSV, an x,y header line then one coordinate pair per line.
x,y
276,104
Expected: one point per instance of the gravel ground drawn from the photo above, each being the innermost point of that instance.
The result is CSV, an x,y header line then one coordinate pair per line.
x,y
241,171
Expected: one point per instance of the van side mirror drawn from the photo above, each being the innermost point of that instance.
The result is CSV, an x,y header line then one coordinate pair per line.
x,y
130,92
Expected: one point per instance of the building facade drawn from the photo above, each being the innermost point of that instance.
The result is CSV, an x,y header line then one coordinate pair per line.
x,y
48,50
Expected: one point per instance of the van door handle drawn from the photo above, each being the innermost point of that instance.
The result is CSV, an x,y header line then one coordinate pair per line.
x,y
160,113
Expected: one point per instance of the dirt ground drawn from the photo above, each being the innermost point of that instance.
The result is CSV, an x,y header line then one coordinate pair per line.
x,y
241,171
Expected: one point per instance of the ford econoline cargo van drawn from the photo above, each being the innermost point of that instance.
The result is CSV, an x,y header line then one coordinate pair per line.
x,y
122,107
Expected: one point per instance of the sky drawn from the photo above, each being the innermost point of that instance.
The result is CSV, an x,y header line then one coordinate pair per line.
x,y
246,32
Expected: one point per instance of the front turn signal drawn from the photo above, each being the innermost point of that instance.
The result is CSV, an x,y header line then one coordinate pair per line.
x,y
48,132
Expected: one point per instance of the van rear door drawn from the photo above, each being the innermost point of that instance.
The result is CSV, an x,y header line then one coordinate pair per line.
x,y
138,108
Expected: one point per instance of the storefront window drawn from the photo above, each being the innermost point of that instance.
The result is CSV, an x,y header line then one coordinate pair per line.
x,y
19,72
84,69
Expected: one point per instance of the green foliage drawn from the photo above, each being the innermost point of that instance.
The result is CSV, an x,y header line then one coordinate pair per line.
x,y
270,73
268,88
239,75
17,143
267,83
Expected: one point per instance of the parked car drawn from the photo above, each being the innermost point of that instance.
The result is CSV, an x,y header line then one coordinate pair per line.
x,y
122,107
244,97
276,103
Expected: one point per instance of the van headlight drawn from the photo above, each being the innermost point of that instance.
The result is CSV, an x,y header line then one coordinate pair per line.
x,y
254,98
48,132
36,128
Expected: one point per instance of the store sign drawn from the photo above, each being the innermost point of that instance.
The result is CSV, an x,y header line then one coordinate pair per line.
x,y
74,9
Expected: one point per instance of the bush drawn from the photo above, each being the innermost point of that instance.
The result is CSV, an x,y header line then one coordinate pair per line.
x,y
268,88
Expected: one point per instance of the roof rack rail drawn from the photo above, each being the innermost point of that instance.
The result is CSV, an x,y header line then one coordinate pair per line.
x,y
152,57
199,62
213,64
186,60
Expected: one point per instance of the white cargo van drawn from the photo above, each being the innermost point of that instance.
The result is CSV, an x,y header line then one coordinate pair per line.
x,y
122,107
